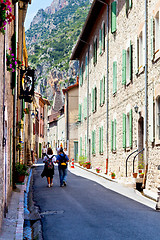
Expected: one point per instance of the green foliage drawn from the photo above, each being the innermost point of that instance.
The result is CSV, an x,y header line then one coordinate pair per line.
x,y
56,35
21,169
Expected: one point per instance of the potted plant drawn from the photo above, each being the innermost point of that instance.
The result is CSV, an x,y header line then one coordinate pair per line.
x,y
141,175
98,169
113,175
19,147
21,171
135,175
6,15
88,164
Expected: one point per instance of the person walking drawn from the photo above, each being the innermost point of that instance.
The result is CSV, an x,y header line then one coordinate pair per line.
x,y
48,171
44,151
62,160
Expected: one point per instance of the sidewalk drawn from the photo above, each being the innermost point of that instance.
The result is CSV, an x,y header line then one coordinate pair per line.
x,y
12,225
114,185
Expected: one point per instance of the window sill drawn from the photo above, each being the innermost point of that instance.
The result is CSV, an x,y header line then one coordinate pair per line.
x,y
156,55
157,142
140,70
128,149
114,151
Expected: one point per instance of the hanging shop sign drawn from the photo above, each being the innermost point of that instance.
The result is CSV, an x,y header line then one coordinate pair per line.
x,y
27,85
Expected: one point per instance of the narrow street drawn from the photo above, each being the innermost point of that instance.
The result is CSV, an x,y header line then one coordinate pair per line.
x,y
86,210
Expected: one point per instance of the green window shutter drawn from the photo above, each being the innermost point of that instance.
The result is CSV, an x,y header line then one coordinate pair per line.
x,y
79,113
100,102
96,51
99,140
103,37
103,98
130,3
114,143
100,41
127,6
130,128
130,61
124,67
114,77
82,72
136,54
151,118
102,139
112,128
86,68
113,16
152,38
80,146
94,142
85,146
95,99
124,130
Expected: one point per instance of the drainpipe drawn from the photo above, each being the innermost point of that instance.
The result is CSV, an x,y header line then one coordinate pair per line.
x,y
67,125
15,94
88,148
107,85
146,88
4,129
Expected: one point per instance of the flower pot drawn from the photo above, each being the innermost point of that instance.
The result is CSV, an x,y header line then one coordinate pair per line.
x,y
140,170
20,178
84,165
113,177
88,166
135,175
98,171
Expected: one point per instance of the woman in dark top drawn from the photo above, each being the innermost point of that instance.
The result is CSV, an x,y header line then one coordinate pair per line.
x,y
49,167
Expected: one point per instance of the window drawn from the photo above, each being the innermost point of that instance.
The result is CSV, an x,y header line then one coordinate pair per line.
x,y
94,142
102,91
129,64
155,36
95,51
102,39
114,77
140,52
94,99
113,135
158,118
128,6
113,16
101,140
127,130
157,33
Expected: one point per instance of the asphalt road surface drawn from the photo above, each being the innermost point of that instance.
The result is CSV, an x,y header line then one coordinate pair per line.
x,y
85,210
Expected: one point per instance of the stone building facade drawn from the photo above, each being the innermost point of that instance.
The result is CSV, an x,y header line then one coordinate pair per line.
x,y
118,53
10,109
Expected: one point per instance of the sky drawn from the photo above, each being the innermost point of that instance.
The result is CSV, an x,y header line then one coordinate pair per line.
x,y
33,9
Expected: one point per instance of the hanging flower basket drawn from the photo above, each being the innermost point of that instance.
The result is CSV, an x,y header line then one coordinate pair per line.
x,y
6,15
12,63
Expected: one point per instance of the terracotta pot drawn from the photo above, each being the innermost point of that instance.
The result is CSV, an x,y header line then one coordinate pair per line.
x,y
21,178
140,170
88,166
98,171
141,175
113,177
135,175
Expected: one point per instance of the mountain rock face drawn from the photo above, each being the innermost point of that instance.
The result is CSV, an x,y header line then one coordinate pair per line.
x,y
50,39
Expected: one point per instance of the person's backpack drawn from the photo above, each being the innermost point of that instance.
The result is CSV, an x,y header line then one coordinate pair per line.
x,y
49,162
63,162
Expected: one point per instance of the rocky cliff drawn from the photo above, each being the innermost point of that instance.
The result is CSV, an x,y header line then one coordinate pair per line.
x,y
50,40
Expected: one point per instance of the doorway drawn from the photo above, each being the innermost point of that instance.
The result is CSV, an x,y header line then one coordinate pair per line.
x,y
140,142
